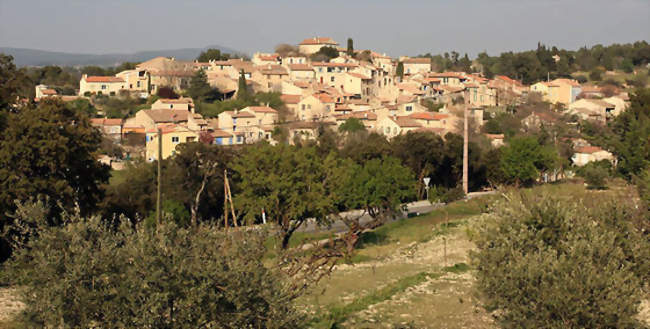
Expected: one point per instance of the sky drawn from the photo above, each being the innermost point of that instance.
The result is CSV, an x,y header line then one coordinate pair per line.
x,y
395,27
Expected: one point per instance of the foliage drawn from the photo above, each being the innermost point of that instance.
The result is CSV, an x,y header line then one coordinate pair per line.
x,y
352,125
445,195
82,105
399,71
631,132
212,54
243,93
166,92
550,262
285,182
119,107
200,90
422,152
49,151
325,53
431,106
350,50
171,209
524,158
362,147
643,187
596,74
87,274
10,82
595,176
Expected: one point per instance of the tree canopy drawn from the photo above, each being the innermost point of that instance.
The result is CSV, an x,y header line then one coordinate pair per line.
x,y
212,54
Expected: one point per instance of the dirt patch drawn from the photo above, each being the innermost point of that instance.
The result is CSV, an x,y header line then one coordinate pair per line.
x,y
10,305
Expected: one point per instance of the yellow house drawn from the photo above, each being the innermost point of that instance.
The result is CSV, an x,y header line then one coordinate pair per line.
x,y
357,84
100,85
313,45
173,104
392,126
301,72
315,107
135,80
270,77
450,79
481,94
540,87
172,136
563,91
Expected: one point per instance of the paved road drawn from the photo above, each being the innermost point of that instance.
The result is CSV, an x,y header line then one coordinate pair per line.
x,y
417,207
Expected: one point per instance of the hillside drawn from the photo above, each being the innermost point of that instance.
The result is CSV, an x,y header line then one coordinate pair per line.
x,y
35,57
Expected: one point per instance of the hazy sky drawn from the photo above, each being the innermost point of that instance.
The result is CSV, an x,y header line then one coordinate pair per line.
x,y
404,27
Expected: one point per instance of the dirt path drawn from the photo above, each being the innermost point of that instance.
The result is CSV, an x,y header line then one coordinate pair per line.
x,y
10,306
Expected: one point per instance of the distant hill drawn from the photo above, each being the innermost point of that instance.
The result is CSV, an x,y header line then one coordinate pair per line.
x,y
35,57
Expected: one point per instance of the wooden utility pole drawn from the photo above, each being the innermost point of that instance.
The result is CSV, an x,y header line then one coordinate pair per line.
x,y
227,197
465,153
158,188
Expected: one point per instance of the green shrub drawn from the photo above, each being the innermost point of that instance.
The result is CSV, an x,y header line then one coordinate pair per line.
x,y
89,275
445,195
596,174
548,262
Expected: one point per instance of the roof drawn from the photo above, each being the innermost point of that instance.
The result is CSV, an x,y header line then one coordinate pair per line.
x,y
447,75
329,64
588,149
361,115
600,102
221,133
300,67
360,76
402,99
240,114
438,131
175,101
324,98
290,99
273,69
319,41
167,115
48,91
106,122
570,82
429,116
103,79
262,109
405,122
268,57
508,80
421,60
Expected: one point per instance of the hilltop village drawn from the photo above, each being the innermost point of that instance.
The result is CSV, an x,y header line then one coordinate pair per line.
x,y
321,85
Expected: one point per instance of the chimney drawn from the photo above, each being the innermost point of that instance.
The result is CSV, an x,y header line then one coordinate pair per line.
x,y
84,76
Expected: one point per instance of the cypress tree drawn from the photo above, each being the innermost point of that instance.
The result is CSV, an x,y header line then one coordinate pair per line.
x,y
350,47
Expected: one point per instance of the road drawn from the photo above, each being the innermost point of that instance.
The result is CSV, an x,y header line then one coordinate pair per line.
x,y
417,208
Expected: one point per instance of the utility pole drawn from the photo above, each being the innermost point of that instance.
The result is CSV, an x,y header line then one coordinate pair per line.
x,y
465,154
158,188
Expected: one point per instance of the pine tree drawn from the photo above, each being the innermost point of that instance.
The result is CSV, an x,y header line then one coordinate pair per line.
x,y
242,91
399,71
199,89
350,47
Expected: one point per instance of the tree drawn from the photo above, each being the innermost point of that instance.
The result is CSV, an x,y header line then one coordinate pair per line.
x,y
50,151
631,130
550,262
89,274
378,187
352,125
399,71
212,54
10,82
524,158
242,88
200,90
167,92
421,152
362,147
284,181
325,54
350,47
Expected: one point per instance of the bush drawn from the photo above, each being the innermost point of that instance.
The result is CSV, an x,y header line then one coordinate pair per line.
x,y
548,262
88,275
595,174
595,75
581,78
445,195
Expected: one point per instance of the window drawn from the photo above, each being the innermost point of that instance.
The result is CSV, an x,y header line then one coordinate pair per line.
x,y
303,107
327,108
103,87
175,139
148,138
112,93
332,79
238,139
309,106
409,108
171,106
388,130
218,141
137,84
